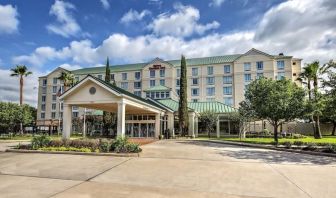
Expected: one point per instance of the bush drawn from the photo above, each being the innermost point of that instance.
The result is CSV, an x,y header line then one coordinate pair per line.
x,y
62,148
121,145
310,147
40,141
297,136
83,143
330,148
298,143
287,144
104,145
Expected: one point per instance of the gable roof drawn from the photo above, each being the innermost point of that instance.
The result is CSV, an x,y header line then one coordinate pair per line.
x,y
158,88
199,107
118,90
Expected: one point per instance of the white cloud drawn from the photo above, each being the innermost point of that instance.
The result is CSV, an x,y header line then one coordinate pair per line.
x,y
9,87
9,22
70,67
182,23
105,4
66,24
133,15
216,3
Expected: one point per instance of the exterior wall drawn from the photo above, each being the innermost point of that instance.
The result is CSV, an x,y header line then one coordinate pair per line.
x,y
292,71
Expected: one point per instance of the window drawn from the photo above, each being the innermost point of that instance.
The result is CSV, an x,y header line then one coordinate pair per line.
x,y
281,65
61,114
210,99
194,91
124,85
247,77
62,106
76,79
100,76
210,80
152,73
43,106
43,98
247,66
42,115
178,72
157,94
162,73
137,75
162,94
228,101
137,85
194,71
227,79
74,108
112,76
162,82
53,106
124,76
260,65
138,93
227,69
54,98
194,81
167,94
152,83
53,115
44,82
44,90
194,100
210,91
54,89
260,75
75,114
177,82
54,81
227,90
178,92
281,75
210,70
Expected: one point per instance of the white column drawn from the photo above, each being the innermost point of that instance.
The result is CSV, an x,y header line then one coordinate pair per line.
x,y
196,126
84,123
121,119
229,127
157,125
191,124
217,129
171,123
66,121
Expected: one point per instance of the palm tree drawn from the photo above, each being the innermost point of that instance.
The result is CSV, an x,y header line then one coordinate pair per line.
x,y
20,71
67,78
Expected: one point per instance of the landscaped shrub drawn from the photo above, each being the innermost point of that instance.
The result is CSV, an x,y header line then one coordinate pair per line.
x,y
298,143
133,148
62,148
297,136
40,141
330,148
56,143
310,147
83,143
104,145
121,145
287,144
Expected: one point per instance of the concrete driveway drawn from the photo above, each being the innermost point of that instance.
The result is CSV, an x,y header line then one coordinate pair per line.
x,y
170,169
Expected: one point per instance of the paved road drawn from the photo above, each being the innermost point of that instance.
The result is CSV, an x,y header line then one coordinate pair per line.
x,y
170,169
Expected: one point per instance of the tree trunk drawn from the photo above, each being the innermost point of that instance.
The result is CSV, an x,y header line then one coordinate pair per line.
x,y
276,133
334,129
317,134
21,99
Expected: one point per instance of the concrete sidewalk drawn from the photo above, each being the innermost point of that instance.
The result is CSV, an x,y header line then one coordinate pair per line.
x,y
170,169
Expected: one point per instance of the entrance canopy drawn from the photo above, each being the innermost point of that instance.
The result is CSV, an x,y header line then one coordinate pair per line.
x,y
94,93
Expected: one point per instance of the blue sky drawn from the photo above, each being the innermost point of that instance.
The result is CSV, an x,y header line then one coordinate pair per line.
x,y
45,34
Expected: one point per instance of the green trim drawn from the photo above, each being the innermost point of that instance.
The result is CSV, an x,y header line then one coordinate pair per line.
x,y
158,88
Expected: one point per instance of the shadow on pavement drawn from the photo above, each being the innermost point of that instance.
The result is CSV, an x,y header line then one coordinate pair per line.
x,y
264,155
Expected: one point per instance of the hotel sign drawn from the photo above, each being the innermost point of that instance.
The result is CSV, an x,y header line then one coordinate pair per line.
x,y
156,67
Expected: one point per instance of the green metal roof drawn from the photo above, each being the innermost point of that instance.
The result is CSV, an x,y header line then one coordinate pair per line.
x,y
175,63
200,107
158,88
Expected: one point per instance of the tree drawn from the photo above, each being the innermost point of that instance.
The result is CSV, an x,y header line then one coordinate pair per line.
x,y
209,120
68,79
278,101
183,103
21,71
244,116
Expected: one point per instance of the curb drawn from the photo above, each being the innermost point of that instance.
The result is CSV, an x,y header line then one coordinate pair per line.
x,y
74,153
269,147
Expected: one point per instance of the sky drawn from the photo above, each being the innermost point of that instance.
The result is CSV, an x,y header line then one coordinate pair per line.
x,y
73,34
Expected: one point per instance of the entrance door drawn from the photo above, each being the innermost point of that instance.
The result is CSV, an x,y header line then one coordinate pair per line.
x,y
143,130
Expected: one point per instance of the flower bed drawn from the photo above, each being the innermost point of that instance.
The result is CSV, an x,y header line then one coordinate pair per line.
x,y
45,143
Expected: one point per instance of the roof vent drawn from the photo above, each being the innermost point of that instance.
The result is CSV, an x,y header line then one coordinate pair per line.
x,y
281,54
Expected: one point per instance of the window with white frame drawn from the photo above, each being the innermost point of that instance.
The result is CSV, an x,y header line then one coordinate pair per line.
x,y
194,81
247,77
54,89
162,72
178,92
123,76
178,72
112,77
194,91
227,69
137,93
228,101
177,82
43,107
54,98
137,75
42,115
281,65
152,83
281,75
194,100
194,71
210,70
55,81
43,99
53,106
260,75
260,65
227,79
210,80
227,90
53,115
124,85
210,91
44,82
247,66
100,76
152,73
137,85
162,82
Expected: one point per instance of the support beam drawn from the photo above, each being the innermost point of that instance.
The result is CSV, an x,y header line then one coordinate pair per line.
x,y
229,127
196,126
217,129
157,125
121,119
66,121
191,128
171,123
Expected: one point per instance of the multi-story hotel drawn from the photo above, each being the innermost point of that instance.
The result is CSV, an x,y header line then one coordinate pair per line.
x,y
218,78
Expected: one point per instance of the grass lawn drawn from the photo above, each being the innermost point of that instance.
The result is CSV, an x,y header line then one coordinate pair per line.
x,y
327,139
